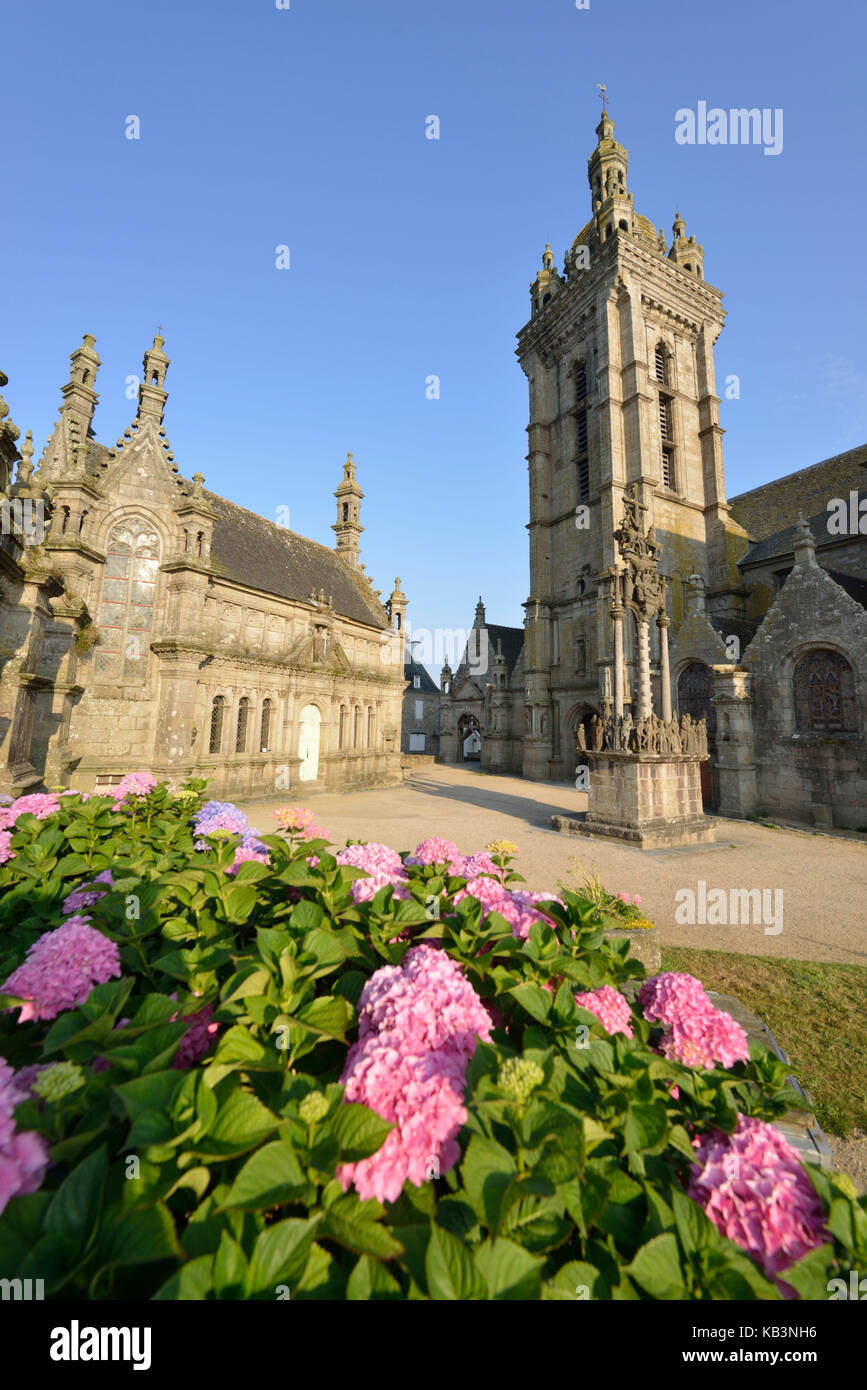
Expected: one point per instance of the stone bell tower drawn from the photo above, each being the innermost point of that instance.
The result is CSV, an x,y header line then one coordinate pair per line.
x,y
618,355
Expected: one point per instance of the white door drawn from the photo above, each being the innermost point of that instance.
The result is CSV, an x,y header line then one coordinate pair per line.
x,y
308,744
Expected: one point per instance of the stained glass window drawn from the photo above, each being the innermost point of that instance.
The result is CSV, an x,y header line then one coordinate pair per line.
x,y
127,604
824,688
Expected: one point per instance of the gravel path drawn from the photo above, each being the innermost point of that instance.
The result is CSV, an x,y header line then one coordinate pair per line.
x,y
822,879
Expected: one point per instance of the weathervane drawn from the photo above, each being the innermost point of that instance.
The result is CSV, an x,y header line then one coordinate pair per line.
x,y
603,92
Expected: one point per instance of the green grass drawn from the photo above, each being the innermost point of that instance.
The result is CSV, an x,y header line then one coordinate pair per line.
x,y
815,1011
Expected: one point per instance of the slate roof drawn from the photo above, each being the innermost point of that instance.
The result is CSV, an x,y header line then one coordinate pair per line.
x,y
262,555
512,639
414,668
781,542
764,510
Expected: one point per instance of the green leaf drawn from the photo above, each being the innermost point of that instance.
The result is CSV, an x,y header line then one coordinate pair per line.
x,y
359,1131
271,1177
240,900
811,1275
656,1268
306,915
449,1270
280,1256
75,1208
575,1281
370,1282
192,1283
21,1227
534,1000
230,1268
153,1092
488,1170
351,1223
327,1015
242,1122
136,1237
509,1270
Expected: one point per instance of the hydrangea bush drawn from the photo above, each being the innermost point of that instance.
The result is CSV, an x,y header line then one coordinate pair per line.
x,y
235,1065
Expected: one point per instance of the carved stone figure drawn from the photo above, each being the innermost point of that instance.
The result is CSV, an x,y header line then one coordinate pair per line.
x,y
596,733
582,738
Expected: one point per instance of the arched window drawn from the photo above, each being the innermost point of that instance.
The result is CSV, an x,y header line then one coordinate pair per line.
x,y
624,227
397,622
369,727
241,730
661,363
824,689
356,731
265,728
341,740
694,692
216,734
127,604
346,511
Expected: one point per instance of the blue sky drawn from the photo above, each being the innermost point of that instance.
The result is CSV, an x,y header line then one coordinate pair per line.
x,y
409,257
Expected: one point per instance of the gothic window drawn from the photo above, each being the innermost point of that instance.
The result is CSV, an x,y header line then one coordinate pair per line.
x,y
580,380
216,734
356,729
824,689
241,730
661,363
127,603
346,511
370,727
265,729
581,431
623,225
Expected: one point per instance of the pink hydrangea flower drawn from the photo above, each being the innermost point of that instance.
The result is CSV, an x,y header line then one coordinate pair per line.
x,y
418,1027
24,1155
247,852
197,1040
756,1191
610,1007
436,850
134,784
695,1032
637,899
5,842
88,894
382,865
518,906
297,821
62,968
38,804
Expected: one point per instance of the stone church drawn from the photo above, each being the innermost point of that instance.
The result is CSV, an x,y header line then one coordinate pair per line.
x,y
148,624
764,631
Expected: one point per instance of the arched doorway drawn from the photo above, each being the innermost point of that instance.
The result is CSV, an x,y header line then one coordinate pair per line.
x,y
469,739
580,716
308,744
694,690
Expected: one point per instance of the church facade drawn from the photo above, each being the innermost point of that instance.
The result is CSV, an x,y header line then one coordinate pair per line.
x,y
764,631
148,624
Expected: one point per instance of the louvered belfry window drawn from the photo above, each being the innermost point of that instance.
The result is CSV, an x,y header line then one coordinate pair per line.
x,y
661,363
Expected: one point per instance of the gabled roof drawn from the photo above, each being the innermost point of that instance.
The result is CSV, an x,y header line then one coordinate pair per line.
x,y
765,510
262,555
413,668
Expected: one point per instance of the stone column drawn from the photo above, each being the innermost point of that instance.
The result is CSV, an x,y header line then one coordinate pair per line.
x,y
643,697
663,624
617,616
735,756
